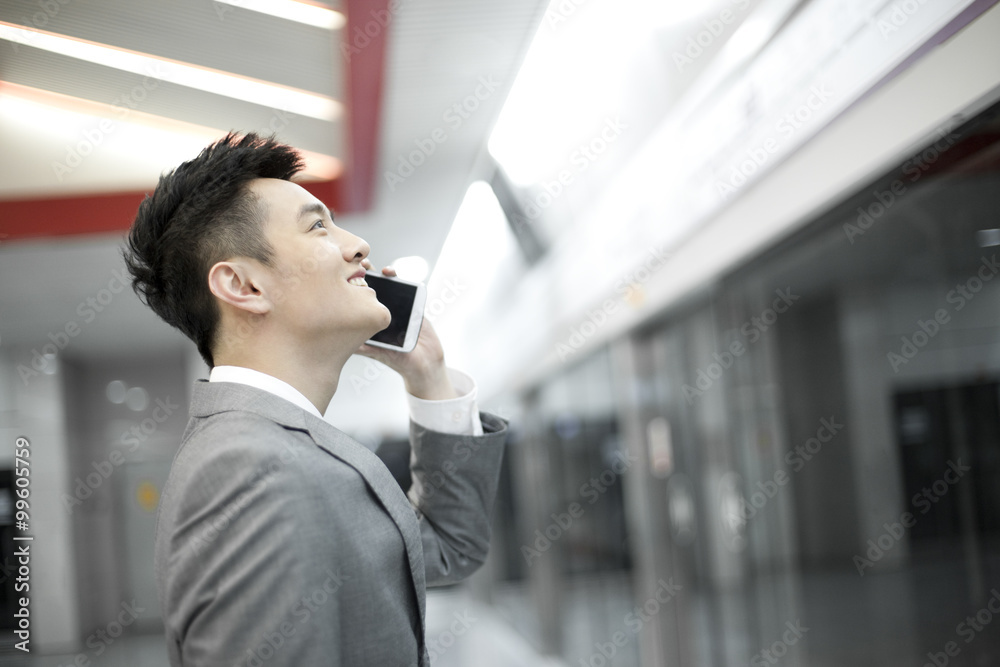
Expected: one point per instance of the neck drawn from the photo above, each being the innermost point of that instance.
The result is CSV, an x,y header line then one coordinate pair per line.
x,y
314,370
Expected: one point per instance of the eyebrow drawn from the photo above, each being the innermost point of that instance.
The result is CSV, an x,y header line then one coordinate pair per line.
x,y
315,208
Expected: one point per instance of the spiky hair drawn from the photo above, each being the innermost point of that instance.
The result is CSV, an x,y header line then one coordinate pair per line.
x,y
201,213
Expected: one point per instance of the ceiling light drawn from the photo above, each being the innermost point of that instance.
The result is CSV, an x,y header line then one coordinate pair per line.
x,y
988,237
552,110
31,116
292,10
202,78
116,391
137,399
477,245
413,268
478,239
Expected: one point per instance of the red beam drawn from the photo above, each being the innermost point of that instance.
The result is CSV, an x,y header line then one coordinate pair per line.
x,y
330,193
99,213
65,216
363,47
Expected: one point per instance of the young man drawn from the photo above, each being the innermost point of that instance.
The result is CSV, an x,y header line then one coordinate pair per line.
x,y
279,539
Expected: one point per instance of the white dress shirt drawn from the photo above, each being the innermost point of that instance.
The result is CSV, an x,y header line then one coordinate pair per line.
x,y
459,416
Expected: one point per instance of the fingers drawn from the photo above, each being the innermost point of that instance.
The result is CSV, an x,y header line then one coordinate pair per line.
x,y
390,358
377,353
386,270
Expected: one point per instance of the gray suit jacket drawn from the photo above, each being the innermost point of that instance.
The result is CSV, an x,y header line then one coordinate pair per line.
x,y
280,540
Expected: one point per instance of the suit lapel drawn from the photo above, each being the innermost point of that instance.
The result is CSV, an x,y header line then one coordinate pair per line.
x,y
384,485
209,398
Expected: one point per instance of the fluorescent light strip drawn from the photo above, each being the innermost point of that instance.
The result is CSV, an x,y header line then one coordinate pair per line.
x,y
37,112
201,78
300,12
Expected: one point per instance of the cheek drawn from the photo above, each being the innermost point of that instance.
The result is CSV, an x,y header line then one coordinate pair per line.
x,y
315,275
330,246
324,253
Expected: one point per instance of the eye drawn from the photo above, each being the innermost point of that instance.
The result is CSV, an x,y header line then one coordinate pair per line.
x,y
318,222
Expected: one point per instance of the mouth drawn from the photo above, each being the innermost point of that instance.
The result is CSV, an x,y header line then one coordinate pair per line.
x,y
358,279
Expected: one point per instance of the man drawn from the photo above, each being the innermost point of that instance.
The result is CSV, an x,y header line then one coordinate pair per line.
x,y
279,539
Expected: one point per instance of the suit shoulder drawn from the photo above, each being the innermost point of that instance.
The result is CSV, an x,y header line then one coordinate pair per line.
x,y
239,434
236,425
228,451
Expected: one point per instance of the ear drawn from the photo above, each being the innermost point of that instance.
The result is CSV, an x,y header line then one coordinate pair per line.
x,y
235,282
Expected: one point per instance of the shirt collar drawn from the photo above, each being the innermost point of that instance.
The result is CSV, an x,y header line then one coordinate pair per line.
x,y
268,383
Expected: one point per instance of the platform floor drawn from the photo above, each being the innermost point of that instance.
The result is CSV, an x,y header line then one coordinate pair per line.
x,y
893,619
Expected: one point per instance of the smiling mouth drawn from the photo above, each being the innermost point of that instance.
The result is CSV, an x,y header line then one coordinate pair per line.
x,y
359,281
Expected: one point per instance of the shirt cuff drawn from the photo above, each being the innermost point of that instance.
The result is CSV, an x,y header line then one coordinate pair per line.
x,y
458,416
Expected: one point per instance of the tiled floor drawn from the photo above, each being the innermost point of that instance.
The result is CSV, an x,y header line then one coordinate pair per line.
x,y
893,619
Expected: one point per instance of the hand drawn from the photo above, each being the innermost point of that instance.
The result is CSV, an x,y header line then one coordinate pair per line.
x,y
423,369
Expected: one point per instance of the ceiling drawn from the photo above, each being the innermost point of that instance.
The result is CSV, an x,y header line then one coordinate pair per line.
x,y
237,41
434,54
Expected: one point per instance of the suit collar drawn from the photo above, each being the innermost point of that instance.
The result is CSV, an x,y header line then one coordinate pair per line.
x,y
261,380
209,398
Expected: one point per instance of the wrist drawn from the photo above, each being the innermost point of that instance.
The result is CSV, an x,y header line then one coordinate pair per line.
x,y
431,384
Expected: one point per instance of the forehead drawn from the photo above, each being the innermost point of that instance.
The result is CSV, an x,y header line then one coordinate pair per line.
x,y
286,202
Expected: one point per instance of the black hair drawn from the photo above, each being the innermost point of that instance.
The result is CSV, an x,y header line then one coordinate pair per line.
x,y
201,213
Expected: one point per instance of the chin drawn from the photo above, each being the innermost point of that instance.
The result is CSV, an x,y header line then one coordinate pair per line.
x,y
382,321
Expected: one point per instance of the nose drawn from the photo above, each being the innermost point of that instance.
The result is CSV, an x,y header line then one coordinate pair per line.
x,y
354,247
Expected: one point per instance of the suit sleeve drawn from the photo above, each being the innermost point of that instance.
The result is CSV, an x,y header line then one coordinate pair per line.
x,y
454,486
242,586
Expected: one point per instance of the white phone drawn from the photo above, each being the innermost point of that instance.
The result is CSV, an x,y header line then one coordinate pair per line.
x,y
405,301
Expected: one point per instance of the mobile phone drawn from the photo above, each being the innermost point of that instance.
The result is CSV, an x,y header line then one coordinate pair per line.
x,y
405,301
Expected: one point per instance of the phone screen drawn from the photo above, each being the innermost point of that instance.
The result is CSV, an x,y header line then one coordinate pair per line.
x,y
398,298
